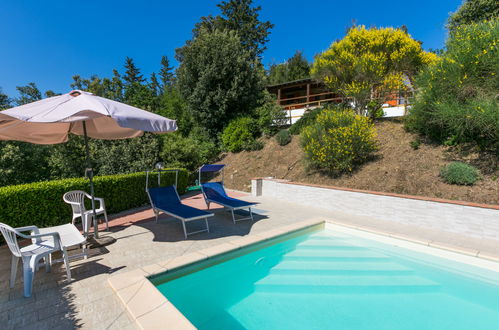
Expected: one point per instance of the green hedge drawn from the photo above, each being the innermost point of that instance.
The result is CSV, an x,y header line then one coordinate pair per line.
x,y
41,203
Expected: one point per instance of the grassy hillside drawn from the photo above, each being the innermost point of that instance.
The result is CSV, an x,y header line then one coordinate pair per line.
x,y
398,168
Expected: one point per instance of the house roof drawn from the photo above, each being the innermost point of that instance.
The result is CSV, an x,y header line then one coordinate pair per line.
x,y
294,82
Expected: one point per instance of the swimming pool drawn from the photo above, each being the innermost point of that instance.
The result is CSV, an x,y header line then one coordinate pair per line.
x,y
335,280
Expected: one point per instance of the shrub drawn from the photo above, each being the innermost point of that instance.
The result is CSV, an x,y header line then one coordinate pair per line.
x,y
339,140
457,99
240,134
375,109
41,203
188,152
459,173
415,144
270,115
306,120
283,137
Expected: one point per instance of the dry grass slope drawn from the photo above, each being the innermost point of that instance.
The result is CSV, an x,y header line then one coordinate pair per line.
x,y
398,168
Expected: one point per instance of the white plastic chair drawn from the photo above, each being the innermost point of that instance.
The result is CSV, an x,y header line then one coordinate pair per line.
x,y
31,254
76,199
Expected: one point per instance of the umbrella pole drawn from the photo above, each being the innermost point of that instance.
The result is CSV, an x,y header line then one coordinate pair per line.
x,y
90,174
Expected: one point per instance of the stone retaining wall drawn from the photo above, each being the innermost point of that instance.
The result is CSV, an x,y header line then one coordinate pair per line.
x,y
468,219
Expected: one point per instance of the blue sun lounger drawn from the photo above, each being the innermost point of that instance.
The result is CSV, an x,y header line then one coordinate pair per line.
x,y
166,200
214,192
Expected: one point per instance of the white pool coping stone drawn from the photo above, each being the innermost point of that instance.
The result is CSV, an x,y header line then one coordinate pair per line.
x,y
151,309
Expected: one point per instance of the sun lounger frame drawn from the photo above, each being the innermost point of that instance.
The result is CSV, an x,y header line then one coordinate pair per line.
x,y
157,210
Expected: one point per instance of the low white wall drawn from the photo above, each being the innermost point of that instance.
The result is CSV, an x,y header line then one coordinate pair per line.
x,y
470,221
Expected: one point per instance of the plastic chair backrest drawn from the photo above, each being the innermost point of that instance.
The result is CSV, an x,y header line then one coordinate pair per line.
x,y
164,195
10,235
76,199
213,189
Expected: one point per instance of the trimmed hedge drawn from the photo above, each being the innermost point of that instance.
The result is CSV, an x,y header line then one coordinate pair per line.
x,y
41,203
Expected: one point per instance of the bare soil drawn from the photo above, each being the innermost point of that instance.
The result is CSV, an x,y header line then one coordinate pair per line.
x,y
397,168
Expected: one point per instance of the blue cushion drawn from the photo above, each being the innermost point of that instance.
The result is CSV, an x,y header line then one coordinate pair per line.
x,y
215,192
211,168
167,200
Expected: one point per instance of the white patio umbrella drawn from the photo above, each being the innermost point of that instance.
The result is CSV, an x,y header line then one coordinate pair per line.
x,y
51,120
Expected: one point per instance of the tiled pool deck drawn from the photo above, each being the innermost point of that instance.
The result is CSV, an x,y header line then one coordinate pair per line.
x,y
89,301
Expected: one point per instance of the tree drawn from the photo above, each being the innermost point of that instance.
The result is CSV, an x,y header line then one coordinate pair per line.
x,y
219,78
239,16
51,93
132,73
4,101
295,68
154,84
166,74
27,94
474,11
369,62
174,106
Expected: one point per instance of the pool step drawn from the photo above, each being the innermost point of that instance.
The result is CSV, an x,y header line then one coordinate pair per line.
x,y
330,284
333,254
340,267
331,244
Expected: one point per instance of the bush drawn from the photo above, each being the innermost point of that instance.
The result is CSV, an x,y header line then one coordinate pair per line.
x,y
283,137
339,140
457,99
459,173
41,203
270,115
240,134
415,144
188,152
306,120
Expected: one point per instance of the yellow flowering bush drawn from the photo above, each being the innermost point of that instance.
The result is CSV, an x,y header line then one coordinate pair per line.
x,y
339,140
370,60
457,99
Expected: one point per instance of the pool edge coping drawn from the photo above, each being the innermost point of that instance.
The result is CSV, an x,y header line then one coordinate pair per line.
x,y
424,242
150,309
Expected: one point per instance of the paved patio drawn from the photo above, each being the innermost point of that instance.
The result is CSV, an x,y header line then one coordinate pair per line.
x,y
89,302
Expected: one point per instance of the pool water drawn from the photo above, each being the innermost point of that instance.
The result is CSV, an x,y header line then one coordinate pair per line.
x,y
331,280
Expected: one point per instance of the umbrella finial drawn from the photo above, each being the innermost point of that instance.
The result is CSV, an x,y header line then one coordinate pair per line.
x,y
75,93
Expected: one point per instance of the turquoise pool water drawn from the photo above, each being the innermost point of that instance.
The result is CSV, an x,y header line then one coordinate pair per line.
x,y
328,280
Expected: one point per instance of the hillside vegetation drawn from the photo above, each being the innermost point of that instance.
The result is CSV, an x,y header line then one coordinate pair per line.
x,y
397,167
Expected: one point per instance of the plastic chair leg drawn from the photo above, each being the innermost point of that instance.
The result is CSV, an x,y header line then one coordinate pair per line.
x,y
48,263
13,270
105,217
29,265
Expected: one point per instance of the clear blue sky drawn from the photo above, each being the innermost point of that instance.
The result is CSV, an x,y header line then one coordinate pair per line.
x,y
47,42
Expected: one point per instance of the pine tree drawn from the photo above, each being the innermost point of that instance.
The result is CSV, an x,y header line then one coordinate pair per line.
x,y
117,86
154,84
239,16
166,74
132,73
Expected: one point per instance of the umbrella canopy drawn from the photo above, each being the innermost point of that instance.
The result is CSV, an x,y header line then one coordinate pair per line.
x,y
49,121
